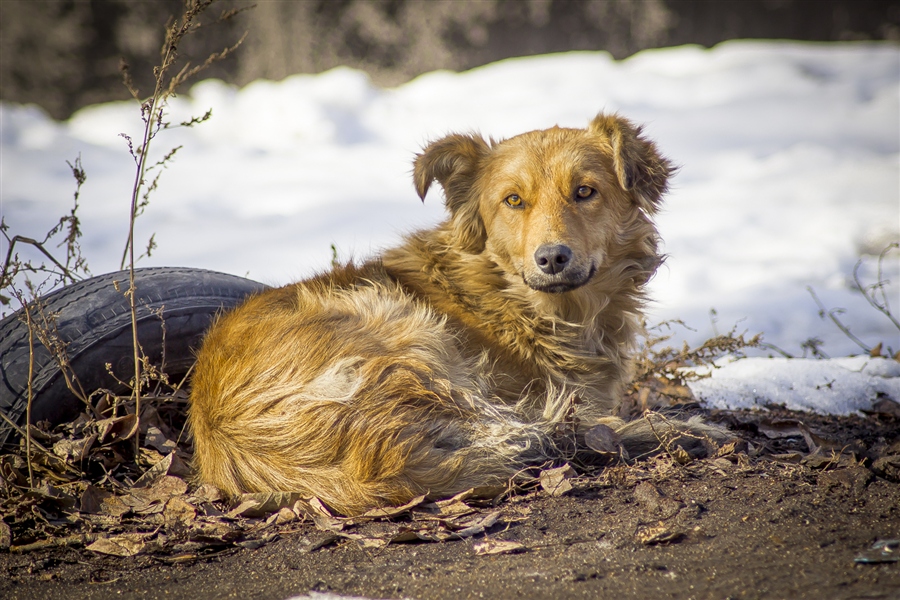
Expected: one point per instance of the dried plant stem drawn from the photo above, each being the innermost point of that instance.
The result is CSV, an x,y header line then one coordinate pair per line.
x,y
6,277
870,292
135,353
832,314
23,431
152,107
79,539
152,111
30,394
151,121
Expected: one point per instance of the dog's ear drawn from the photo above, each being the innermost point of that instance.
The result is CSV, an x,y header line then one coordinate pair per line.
x,y
454,161
640,168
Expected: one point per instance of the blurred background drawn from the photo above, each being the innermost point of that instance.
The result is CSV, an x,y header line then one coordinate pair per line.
x,y
63,55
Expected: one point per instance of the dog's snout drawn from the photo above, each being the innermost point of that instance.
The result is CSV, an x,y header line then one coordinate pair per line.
x,y
552,258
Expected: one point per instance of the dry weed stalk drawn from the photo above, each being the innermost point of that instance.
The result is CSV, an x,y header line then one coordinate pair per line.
x,y
17,277
73,269
42,475
30,393
670,362
662,371
877,298
153,114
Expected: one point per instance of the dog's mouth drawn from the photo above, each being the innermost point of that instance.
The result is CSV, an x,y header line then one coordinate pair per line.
x,y
560,283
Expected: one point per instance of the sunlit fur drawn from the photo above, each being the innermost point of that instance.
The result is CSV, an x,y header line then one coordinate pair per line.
x,y
452,360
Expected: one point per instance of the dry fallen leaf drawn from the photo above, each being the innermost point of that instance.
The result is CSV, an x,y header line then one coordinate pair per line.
x,y
164,488
779,428
207,493
282,517
5,536
497,547
179,513
53,496
446,508
485,493
156,439
128,544
728,448
815,442
74,450
887,467
478,524
681,456
652,499
115,429
319,514
658,534
555,481
603,439
262,504
373,543
393,511
170,465
885,407
91,500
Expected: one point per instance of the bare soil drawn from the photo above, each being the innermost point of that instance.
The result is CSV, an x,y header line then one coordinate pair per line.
x,y
777,521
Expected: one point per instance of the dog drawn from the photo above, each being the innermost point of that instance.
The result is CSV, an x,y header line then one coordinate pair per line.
x,y
455,359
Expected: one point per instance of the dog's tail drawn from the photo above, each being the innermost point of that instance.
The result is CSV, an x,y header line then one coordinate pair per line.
x,y
656,432
574,431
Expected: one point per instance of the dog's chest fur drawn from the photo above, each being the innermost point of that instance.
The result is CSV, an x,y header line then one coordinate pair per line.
x,y
525,342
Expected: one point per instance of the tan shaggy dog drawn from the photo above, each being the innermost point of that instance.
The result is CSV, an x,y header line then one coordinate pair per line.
x,y
455,359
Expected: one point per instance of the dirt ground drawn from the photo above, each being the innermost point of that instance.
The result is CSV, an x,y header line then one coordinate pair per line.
x,y
777,521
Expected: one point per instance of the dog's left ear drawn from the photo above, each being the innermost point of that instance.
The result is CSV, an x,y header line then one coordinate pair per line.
x,y
454,161
640,167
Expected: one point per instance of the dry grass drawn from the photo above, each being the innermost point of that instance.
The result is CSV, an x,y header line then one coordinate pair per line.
x,y
89,452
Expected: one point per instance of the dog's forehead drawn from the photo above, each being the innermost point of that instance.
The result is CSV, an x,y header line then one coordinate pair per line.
x,y
557,150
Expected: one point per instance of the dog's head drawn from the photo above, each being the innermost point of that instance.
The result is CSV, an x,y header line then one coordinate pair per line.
x,y
552,206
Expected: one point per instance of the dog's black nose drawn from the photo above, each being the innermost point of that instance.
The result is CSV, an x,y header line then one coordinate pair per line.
x,y
552,258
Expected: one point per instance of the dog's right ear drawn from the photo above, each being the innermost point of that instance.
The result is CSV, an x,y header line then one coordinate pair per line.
x,y
454,161
640,167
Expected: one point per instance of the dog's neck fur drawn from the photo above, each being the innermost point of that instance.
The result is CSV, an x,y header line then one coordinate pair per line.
x,y
580,339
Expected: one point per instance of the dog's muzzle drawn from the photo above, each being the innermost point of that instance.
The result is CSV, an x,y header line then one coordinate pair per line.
x,y
558,271
552,258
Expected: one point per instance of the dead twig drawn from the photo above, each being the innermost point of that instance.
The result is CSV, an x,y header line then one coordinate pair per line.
x,y
833,315
870,292
80,539
153,112
30,394
23,432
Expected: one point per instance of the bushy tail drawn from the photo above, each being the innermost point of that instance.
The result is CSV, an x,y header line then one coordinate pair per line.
x,y
656,432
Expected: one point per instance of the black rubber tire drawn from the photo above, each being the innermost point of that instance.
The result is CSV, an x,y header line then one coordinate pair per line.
x,y
94,320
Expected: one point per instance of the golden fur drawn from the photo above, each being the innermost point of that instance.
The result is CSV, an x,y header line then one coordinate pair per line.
x,y
451,360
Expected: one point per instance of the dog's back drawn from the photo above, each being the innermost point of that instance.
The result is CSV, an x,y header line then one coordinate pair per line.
x,y
351,390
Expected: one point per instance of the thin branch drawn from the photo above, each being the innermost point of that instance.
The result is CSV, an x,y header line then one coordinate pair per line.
x,y
870,292
832,314
30,396
22,432
6,278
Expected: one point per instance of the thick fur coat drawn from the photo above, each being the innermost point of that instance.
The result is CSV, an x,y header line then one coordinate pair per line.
x,y
452,360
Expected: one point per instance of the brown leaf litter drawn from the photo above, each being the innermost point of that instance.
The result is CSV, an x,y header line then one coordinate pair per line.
x,y
93,487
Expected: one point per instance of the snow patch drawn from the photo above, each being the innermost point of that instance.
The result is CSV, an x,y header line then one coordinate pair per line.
x,y
838,386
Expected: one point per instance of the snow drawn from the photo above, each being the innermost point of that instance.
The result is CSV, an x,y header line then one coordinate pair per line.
x,y
790,174
838,386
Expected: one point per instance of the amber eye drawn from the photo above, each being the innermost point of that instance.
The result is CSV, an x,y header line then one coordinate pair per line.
x,y
513,200
584,192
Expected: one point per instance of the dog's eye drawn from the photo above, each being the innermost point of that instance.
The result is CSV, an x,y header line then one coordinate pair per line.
x,y
513,200
584,192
